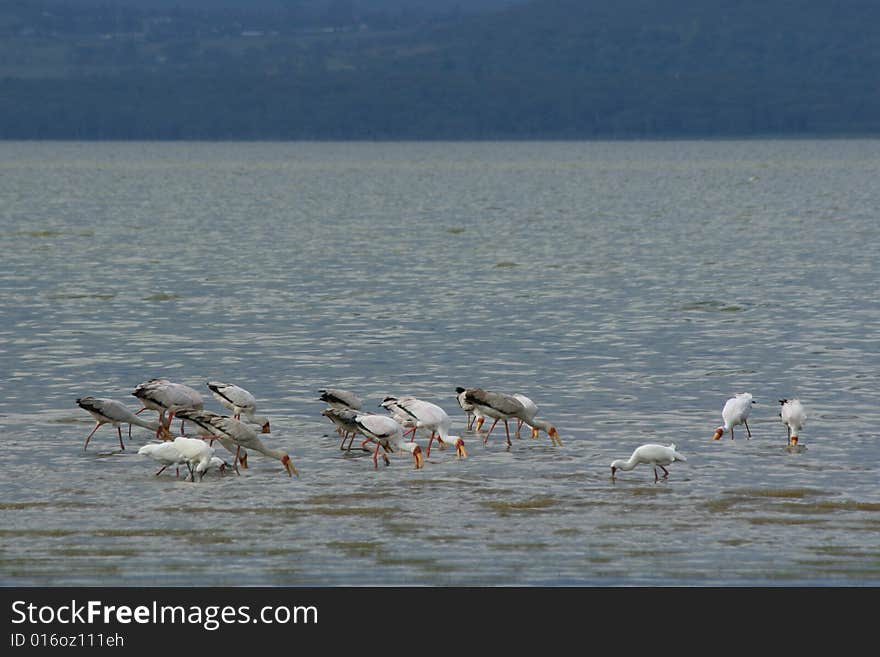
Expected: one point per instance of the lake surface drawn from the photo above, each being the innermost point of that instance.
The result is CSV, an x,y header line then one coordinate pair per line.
x,y
628,288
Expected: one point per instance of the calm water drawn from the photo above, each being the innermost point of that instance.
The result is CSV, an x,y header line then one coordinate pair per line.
x,y
628,288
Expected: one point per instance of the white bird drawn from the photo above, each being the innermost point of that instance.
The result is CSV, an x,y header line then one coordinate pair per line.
x,y
794,416
431,417
651,454
165,396
342,399
239,433
216,463
165,453
736,411
174,452
387,433
402,416
196,451
110,411
238,400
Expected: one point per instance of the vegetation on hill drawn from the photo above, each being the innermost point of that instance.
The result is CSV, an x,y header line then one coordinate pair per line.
x,y
541,69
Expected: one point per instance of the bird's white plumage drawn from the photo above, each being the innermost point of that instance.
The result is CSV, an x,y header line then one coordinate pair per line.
x,y
651,454
387,433
433,418
165,453
794,417
196,451
736,411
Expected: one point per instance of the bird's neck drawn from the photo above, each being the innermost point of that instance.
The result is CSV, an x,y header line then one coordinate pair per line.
x,y
628,464
540,424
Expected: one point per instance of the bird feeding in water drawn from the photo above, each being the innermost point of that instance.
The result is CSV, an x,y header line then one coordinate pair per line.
x,y
239,433
650,454
736,411
110,411
794,417
239,401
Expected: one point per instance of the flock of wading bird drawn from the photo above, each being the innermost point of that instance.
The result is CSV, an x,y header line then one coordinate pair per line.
x,y
388,431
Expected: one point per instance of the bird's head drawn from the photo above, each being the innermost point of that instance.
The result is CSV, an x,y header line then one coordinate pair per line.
x,y
718,433
418,457
535,433
164,433
288,465
266,427
242,459
554,436
793,440
460,451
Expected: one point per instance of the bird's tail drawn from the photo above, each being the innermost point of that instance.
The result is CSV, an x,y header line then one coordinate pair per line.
x,y
675,454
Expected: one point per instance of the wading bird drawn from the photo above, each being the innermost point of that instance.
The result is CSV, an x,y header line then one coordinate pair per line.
x,y
239,401
651,454
387,433
110,411
794,416
429,416
239,433
531,410
736,411
167,397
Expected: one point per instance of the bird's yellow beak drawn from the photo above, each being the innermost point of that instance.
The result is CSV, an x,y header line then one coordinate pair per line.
x,y
793,441
480,423
243,460
266,428
460,451
554,437
718,433
419,458
288,465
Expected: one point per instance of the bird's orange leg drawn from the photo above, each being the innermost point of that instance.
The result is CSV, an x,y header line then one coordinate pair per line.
x,y
376,457
431,440
486,439
92,434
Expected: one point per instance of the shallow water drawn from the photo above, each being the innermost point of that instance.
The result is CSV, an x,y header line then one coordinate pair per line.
x,y
628,288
